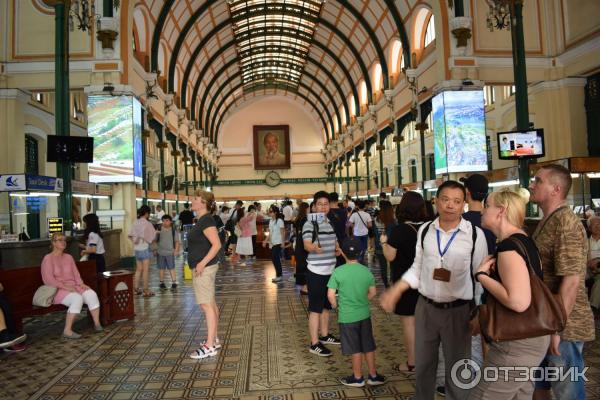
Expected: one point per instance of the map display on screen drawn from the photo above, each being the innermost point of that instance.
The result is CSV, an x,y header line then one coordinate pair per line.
x,y
115,123
459,132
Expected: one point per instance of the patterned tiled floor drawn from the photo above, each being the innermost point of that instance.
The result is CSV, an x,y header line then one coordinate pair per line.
x,y
264,356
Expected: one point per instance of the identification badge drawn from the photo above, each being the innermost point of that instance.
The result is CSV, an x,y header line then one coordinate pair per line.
x,y
441,274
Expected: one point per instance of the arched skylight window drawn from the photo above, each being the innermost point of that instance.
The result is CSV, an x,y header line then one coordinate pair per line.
x,y
430,31
395,56
377,81
362,87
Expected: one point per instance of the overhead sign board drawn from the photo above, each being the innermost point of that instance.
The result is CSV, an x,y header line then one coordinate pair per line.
x,y
23,182
44,183
55,225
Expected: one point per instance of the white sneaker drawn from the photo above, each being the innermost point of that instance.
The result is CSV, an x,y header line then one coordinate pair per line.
x,y
217,343
242,264
277,279
292,278
203,352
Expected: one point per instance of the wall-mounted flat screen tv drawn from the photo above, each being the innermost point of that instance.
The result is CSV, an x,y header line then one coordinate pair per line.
x,y
515,145
115,122
459,131
70,149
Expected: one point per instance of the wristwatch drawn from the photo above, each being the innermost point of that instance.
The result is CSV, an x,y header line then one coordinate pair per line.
x,y
480,273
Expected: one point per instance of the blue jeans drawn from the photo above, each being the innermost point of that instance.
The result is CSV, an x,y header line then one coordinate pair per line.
x,y
364,244
571,355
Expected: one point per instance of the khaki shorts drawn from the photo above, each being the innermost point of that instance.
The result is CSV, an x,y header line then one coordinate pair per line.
x,y
204,285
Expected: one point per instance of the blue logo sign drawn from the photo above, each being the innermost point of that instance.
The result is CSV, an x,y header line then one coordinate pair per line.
x,y
12,181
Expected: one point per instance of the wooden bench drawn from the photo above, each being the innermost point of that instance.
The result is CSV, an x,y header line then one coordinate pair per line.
x,y
20,285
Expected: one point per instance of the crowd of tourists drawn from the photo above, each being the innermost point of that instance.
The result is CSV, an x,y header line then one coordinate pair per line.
x,y
470,283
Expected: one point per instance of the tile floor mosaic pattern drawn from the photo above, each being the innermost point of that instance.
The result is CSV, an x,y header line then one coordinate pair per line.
x,y
264,355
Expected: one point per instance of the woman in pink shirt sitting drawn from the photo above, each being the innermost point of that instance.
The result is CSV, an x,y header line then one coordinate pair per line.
x,y
59,271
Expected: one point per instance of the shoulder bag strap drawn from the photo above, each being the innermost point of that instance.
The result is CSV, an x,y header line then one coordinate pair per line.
x,y
412,227
362,220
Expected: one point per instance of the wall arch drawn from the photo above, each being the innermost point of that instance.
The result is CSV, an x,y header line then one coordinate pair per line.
x,y
140,26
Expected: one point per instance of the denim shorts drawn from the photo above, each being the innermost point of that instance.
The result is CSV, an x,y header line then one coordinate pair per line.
x,y
141,255
166,262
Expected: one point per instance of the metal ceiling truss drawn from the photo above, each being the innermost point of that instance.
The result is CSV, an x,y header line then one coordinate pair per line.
x,y
225,67
258,34
297,18
210,128
283,27
226,46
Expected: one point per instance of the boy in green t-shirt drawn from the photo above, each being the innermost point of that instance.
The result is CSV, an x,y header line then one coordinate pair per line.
x,y
355,286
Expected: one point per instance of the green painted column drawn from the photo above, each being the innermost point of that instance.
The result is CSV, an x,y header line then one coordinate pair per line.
x,y
107,9
161,153
520,72
422,127
340,168
201,170
356,169
398,160
61,114
367,154
205,169
145,135
380,150
175,172
347,174
194,167
185,165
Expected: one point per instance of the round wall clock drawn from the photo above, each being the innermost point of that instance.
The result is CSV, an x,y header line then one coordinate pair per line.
x,y
272,179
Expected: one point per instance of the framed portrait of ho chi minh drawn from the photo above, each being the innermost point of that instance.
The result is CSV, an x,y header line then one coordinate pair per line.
x,y
271,147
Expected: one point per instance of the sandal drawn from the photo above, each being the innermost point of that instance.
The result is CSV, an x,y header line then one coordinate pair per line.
x,y
404,368
138,291
148,293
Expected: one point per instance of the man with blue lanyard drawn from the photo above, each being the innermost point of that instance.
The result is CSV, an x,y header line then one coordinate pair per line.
x,y
448,252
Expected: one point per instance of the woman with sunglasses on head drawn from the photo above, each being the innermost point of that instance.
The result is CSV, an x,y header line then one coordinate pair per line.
x,y
59,271
204,253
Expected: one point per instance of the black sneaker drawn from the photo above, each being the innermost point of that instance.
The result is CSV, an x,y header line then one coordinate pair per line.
x,y
162,286
441,391
376,380
173,286
319,350
353,381
329,339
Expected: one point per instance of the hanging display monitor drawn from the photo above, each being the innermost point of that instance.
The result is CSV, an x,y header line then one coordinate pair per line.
x,y
459,131
115,123
521,144
70,149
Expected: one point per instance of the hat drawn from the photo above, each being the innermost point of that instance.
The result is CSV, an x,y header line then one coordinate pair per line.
x,y
351,248
476,183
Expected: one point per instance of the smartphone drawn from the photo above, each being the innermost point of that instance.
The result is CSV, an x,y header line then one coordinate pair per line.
x,y
316,217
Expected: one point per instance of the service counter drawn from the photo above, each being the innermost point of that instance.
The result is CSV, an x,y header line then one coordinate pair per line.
x,y
30,253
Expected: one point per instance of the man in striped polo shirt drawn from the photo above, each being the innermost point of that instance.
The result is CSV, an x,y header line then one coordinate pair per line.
x,y
321,244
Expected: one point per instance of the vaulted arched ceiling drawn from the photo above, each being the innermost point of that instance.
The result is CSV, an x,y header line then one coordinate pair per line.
x,y
218,54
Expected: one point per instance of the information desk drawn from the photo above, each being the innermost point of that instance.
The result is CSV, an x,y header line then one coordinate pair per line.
x,y
116,296
31,252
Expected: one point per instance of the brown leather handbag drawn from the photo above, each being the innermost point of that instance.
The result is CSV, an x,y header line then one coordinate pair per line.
x,y
546,314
